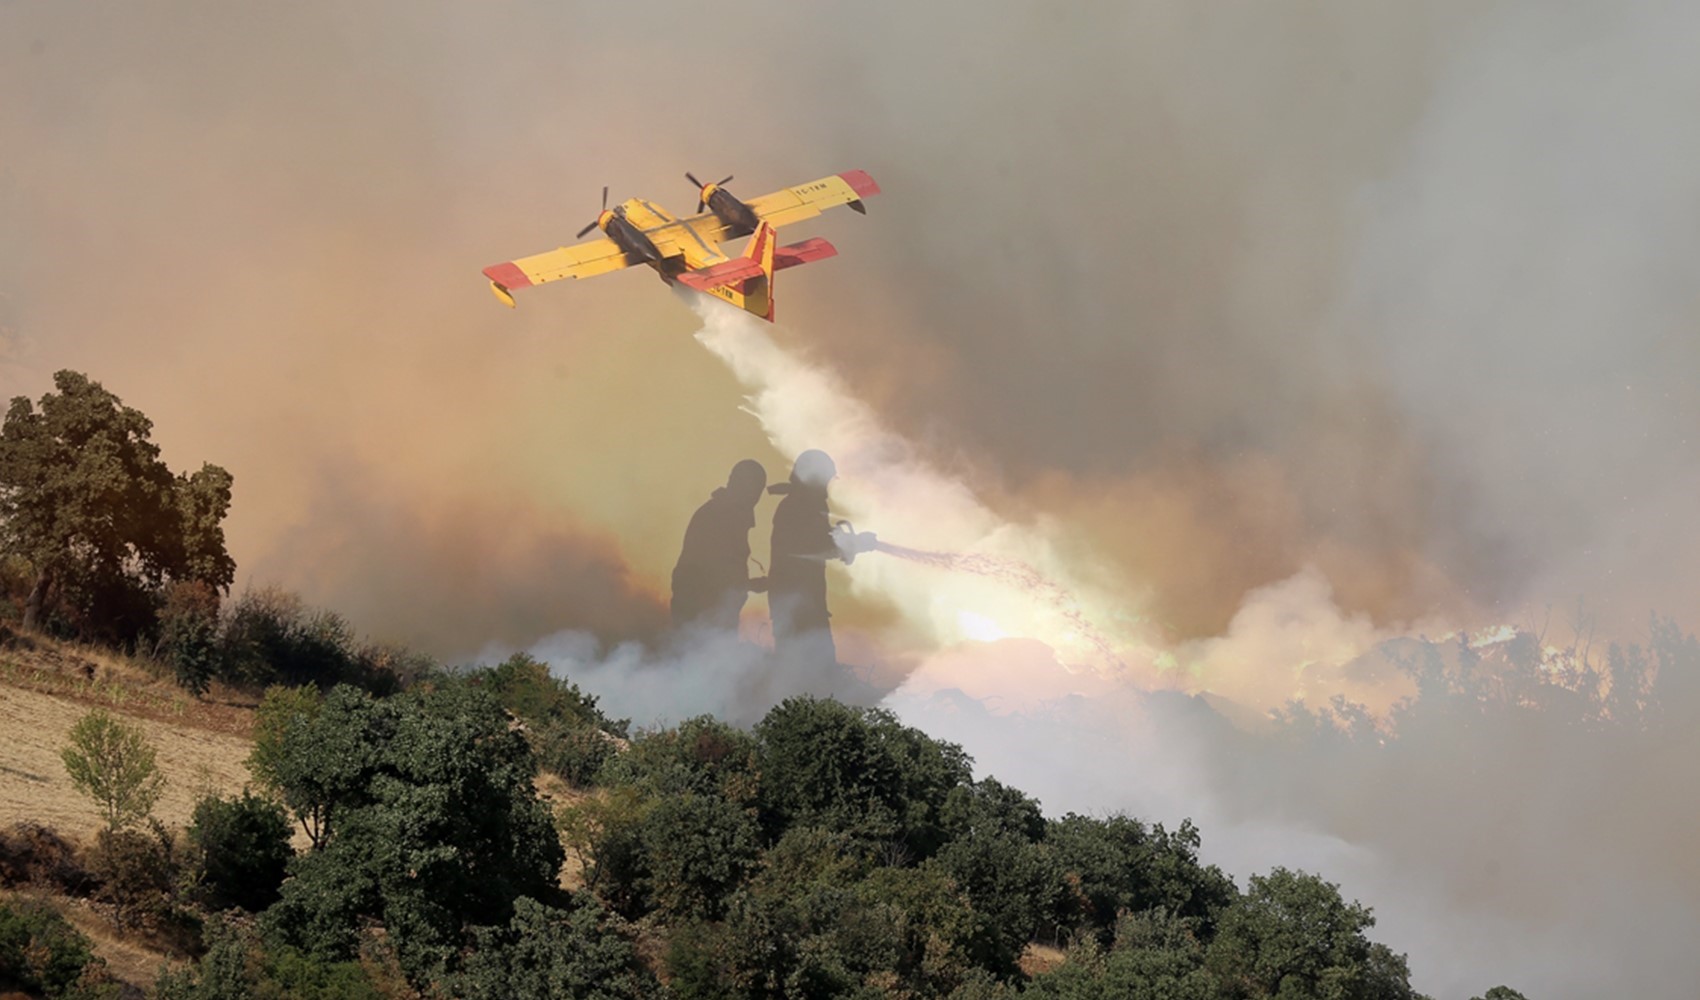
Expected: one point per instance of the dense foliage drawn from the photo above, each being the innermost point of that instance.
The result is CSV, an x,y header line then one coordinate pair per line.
x,y
87,502
829,852
242,851
41,953
429,823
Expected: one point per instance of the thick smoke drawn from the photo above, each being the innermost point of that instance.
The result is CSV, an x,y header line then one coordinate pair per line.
x,y
1395,292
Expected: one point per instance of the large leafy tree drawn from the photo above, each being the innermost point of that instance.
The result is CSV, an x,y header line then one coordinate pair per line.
x,y
1292,935
432,823
1118,864
86,500
859,770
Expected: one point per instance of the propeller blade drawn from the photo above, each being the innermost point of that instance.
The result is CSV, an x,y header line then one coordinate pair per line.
x,y
692,178
604,197
723,180
586,229
701,205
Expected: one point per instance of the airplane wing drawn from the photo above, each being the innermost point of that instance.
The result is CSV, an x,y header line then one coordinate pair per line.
x,y
583,260
699,237
805,201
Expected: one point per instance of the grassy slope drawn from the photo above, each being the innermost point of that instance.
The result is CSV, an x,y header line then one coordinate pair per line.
x,y
45,687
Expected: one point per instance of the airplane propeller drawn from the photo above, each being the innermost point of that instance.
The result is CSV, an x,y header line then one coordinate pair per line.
x,y
701,204
598,218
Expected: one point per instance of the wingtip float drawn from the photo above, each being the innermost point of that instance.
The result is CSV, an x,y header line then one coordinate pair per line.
x,y
689,251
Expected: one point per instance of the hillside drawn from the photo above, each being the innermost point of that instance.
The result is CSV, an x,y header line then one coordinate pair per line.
x,y
45,686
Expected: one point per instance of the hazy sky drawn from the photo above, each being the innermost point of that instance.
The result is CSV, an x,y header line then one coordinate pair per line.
x,y
1400,293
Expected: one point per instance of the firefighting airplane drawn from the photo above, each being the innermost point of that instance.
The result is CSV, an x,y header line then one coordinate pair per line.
x,y
688,251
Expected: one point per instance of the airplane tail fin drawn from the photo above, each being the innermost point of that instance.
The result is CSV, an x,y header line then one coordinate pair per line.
x,y
757,291
746,281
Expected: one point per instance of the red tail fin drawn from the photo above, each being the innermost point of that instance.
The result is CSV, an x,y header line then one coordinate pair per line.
x,y
758,291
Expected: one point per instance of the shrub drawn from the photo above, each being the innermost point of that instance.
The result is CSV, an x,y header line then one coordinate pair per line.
x,y
526,687
242,851
437,824
698,849
239,964
1293,934
39,950
574,750
702,756
272,637
32,854
139,872
858,770
545,952
1120,864
188,634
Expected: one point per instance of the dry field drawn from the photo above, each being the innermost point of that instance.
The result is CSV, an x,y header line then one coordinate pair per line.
x,y
45,687
35,787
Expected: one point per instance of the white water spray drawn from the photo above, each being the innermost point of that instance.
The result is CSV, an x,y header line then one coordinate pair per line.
x,y
1009,580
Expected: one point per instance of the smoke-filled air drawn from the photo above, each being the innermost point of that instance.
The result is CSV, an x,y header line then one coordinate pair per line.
x,y
1282,415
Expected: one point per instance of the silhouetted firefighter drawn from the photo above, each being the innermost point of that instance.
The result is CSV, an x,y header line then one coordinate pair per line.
x,y
712,578
803,541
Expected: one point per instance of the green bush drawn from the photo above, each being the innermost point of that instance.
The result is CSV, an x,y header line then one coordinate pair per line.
x,y
40,951
1118,864
697,850
238,964
1293,935
545,952
271,637
437,824
188,634
817,921
574,750
701,756
859,770
139,873
241,849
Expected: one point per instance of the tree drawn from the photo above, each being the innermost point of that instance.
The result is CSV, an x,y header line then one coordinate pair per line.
x,y
85,499
243,850
546,952
697,848
1292,935
433,823
858,770
1119,864
313,752
113,763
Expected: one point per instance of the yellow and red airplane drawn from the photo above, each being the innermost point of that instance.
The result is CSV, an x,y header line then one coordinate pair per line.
x,y
688,251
